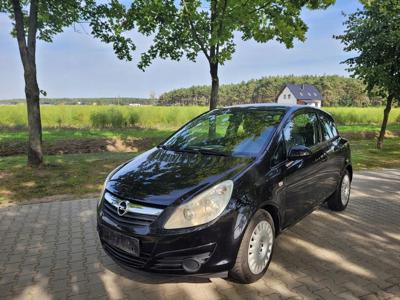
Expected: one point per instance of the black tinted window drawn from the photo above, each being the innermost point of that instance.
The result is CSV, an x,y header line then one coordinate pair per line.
x,y
229,131
303,129
329,130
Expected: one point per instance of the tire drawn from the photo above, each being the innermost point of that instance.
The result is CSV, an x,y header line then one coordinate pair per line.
x,y
340,199
249,267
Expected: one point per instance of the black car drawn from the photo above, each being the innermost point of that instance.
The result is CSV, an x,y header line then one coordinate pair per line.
x,y
214,196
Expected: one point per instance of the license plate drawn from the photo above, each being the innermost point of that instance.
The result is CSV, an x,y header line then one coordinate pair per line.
x,y
120,241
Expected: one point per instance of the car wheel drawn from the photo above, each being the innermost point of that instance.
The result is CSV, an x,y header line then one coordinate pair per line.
x,y
255,250
340,199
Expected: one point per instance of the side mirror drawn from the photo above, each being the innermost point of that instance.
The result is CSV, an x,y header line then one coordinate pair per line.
x,y
299,152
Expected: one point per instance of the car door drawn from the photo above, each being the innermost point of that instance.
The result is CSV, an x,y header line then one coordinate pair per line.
x,y
303,176
275,174
334,161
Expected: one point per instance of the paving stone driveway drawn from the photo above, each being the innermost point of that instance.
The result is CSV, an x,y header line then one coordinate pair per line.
x,y
51,251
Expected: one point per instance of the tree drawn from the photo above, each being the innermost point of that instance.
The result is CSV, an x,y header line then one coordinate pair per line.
x,y
192,27
373,33
40,19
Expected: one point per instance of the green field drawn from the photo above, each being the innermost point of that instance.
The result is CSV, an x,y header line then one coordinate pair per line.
x,y
159,117
75,116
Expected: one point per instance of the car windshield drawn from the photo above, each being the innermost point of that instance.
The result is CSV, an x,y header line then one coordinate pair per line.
x,y
229,131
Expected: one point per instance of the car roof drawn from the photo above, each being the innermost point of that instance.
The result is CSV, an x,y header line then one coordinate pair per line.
x,y
292,107
289,108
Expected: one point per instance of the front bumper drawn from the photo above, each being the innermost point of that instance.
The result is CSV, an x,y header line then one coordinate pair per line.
x,y
213,248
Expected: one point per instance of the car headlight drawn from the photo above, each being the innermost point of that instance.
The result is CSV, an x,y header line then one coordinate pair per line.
x,y
203,208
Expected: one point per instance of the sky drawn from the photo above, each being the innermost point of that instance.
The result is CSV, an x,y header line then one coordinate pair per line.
x,y
76,65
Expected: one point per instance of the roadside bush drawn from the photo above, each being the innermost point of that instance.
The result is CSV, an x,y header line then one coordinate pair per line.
x,y
107,119
98,119
133,119
116,118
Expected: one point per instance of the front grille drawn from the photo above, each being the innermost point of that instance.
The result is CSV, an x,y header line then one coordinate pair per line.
x,y
129,218
125,258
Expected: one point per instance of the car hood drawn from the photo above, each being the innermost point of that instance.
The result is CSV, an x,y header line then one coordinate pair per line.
x,y
161,177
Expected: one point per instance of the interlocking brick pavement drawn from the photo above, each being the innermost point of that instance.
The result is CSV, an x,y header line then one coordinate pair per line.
x,y
51,251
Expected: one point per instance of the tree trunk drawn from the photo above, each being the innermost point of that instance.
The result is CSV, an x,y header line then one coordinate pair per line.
x,y
214,85
27,52
386,112
213,98
35,154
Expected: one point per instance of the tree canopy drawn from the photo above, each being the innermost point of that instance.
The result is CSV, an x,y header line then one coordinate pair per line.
x,y
189,28
373,34
336,90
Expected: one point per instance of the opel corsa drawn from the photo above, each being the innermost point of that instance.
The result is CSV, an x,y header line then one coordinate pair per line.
x,y
213,197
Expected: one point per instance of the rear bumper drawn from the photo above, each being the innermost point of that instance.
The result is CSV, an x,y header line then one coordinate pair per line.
x,y
212,249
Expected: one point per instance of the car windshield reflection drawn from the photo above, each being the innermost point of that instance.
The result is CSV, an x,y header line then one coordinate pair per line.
x,y
227,132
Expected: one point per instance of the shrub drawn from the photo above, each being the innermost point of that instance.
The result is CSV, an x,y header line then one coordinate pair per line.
x,y
116,118
107,119
133,119
98,119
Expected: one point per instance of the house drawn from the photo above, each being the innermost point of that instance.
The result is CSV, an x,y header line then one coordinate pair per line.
x,y
303,94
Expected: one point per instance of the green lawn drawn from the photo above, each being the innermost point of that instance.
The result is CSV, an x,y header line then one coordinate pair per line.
x,y
81,174
51,135
366,156
73,174
367,128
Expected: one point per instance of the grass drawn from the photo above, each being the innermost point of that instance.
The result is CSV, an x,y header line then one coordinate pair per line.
x,y
159,117
366,156
74,174
80,174
362,115
57,134
366,128
81,116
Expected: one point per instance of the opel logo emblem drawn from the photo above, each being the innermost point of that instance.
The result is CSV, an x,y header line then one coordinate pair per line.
x,y
122,208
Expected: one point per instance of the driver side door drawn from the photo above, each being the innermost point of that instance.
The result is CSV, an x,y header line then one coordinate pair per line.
x,y
302,174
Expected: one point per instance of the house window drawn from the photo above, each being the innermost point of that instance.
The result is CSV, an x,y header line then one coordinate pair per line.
x,y
284,96
288,96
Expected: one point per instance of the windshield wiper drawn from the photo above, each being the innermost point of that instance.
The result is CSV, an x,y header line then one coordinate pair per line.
x,y
207,151
193,150
177,149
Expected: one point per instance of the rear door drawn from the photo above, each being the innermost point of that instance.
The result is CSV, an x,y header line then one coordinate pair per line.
x,y
303,176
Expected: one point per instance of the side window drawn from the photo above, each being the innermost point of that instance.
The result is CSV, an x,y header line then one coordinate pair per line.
x,y
279,154
334,129
303,130
329,130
